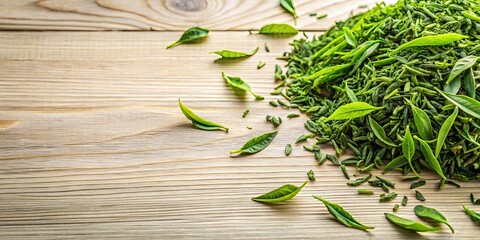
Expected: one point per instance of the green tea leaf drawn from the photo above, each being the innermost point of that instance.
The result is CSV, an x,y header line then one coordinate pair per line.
x,y
377,129
435,40
408,148
352,110
281,194
256,144
342,215
351,95
453,87
288,149
238,83
469,83
233,54
288,5
279,30
460,66
466,104
395,163
349,37
422,122
429,157
471,16
364,56
474,215
409,224
304,137
431,214
444,130
198,121
189,35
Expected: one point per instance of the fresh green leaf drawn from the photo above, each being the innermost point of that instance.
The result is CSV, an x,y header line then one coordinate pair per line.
x,y
395,163
377,129
474,215
233,54
453,87
466,104
435,40
279,30
444,130
198,121
281,194
256,144
352,110
304,137
364,56
342,215
431,214
288,5
460,66
422,122
409,224
189,35
351,95
238,83
349,37
429,157
408,148
469,83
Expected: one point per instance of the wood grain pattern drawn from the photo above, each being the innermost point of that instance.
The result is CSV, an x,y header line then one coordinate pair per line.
x,y
100,150
168,14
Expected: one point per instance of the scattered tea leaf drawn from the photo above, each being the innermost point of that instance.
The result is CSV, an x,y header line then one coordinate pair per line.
x,y
342,215
278,30
281,194
256,144
409,224
431,214
238,83
189,35
198,121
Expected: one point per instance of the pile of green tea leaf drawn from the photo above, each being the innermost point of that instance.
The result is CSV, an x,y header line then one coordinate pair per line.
x,y
397,86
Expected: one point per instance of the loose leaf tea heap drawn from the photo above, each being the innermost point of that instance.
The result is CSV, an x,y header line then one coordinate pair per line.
x,y
396,86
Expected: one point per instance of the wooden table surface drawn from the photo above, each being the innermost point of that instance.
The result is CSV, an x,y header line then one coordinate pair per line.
x,y
94,146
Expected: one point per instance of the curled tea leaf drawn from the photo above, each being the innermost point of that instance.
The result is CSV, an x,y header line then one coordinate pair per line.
x,y
198,121
432,214
256,144
238,83
409,224
474,215
342,215
234,54
281,194
189,35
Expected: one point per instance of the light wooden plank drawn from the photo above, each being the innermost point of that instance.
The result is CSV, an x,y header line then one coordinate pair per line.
x,y
93,145
169,15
